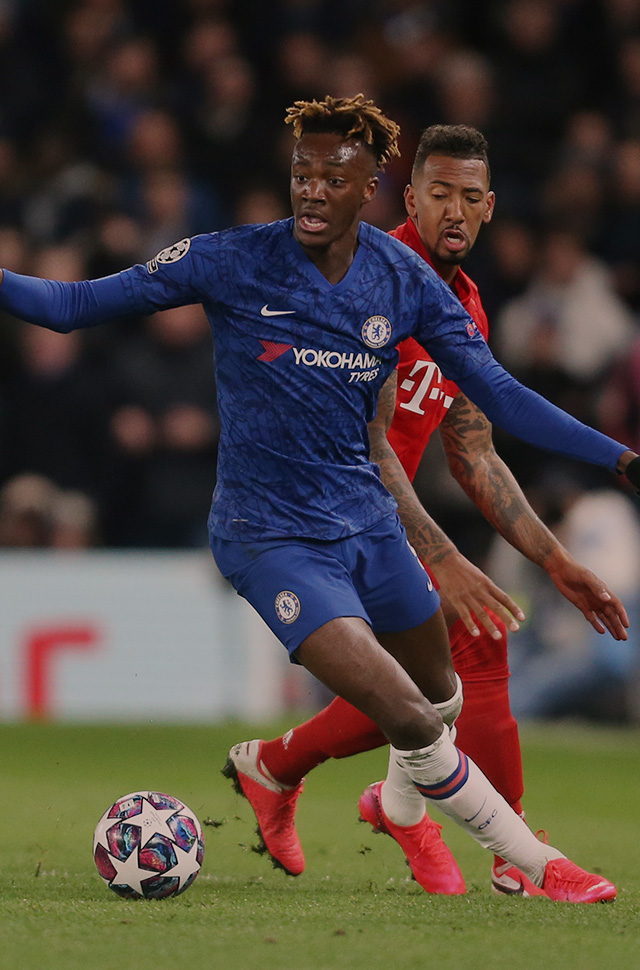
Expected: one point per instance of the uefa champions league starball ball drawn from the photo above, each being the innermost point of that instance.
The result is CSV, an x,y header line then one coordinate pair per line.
x,y
148,846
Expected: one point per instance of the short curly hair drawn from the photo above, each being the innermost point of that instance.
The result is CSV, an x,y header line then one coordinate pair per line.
x,y
456,141
351,118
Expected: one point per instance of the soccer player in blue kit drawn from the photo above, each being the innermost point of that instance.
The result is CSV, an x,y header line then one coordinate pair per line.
x,y
305,314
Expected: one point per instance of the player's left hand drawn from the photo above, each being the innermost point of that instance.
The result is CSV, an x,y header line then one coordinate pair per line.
x,y
466,594
602,608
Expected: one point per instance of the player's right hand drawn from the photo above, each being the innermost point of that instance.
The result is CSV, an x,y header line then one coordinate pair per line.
x,y
466,594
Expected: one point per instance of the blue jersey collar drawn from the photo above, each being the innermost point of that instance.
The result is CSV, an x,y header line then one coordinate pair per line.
x,y
311,270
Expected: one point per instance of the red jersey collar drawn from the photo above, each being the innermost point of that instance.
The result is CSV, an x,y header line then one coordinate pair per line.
x,y
408,234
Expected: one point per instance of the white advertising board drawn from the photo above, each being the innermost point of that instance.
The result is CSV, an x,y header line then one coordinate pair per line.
x,y
99,636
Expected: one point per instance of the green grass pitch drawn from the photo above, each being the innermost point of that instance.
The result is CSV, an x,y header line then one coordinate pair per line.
x,y
353,907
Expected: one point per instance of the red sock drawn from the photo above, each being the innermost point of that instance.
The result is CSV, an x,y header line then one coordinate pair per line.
x,y
487,730
337,731
488,733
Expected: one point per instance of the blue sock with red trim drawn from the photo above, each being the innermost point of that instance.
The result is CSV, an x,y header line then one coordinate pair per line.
x,y
447,778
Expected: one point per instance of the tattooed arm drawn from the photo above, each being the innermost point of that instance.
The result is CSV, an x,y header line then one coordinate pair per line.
x,y
465,591
489,483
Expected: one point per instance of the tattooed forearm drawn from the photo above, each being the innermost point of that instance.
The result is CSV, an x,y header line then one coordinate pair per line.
x,y
425,535
427,538
475,464
386,407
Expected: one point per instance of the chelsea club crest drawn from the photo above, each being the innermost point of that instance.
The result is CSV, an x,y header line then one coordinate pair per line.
x,y
376,331
287,606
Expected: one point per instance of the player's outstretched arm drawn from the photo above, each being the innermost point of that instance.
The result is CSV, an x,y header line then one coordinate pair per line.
x,y
63,306
490,484
464,589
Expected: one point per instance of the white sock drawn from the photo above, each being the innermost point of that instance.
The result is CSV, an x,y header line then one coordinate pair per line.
x,y
401,800
449,710
455,785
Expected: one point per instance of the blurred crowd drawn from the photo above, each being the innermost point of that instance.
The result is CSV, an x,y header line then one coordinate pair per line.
x,y
126,125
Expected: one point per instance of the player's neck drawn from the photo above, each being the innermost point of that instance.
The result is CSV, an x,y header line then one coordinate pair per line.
x,y
334,260
446,271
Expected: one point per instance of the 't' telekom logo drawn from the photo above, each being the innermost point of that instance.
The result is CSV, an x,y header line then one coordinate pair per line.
x,y
428,385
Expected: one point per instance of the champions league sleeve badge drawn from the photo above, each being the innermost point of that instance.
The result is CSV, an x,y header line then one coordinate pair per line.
x,y
169,255
287,606
376,331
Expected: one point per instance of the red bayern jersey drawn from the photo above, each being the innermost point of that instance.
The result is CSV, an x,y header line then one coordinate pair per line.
x,y
424,394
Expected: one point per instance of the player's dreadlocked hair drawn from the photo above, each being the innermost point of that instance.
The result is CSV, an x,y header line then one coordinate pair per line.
x,y
351,118
456,141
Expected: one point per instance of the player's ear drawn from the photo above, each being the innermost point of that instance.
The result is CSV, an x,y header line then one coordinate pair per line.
x,y
489,205
371,188
410,200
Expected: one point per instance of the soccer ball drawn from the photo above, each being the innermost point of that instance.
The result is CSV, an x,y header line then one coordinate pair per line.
x,y
148,846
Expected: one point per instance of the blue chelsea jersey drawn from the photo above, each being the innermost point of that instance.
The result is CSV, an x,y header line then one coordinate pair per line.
x,y
299,363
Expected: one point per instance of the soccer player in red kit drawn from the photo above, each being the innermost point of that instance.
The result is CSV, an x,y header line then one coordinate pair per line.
x,y
448,200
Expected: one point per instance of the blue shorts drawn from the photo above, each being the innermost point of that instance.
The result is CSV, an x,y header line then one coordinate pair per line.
x,y
297,585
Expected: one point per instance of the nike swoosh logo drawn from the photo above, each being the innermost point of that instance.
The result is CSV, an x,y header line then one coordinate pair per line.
x,y
598,885
265,312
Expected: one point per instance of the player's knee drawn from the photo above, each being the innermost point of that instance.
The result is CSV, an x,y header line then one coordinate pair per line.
x,y
417,725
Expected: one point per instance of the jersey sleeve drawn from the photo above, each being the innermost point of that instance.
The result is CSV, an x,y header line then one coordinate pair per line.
x,y
448,332
63,306
173,278
177,276
452,338
530,417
